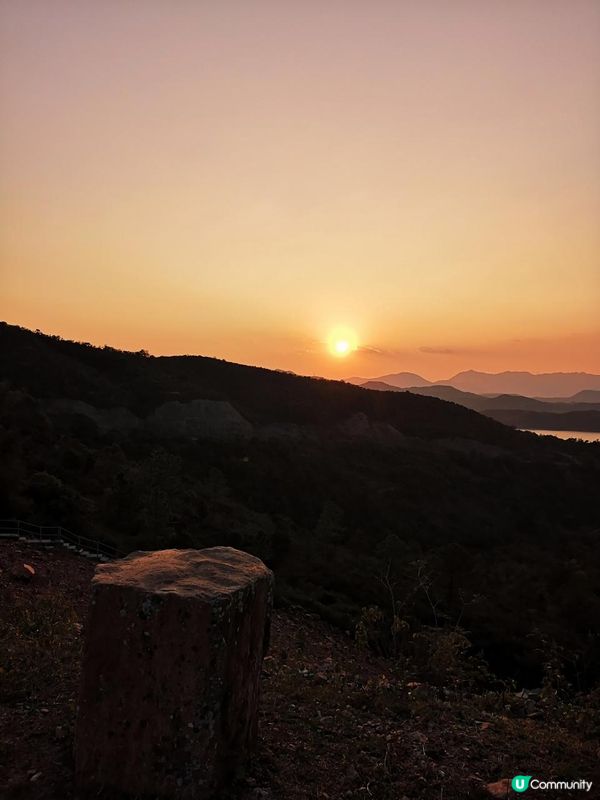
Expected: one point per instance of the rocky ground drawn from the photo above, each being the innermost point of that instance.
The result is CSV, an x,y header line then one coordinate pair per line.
x,y
336,722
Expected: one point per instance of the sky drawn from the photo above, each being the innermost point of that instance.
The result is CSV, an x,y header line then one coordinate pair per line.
x,y
259,179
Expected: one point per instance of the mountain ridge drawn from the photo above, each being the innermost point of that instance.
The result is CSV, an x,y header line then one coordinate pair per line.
x,y
554,385
51,368
515,410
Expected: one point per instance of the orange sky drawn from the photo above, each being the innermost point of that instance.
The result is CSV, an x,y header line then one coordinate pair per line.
x,y
238,179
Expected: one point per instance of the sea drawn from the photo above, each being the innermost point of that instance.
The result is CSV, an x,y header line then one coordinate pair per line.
x,y
587,436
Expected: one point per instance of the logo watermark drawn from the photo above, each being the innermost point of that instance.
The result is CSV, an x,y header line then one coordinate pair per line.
x,y
520,783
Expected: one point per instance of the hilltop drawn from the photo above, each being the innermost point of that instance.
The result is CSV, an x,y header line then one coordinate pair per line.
x,y
51,368
336,721
343,491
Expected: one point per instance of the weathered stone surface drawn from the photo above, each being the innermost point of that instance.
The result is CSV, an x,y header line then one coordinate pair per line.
x,y
106,419
217,420
203,419
173,650
359,426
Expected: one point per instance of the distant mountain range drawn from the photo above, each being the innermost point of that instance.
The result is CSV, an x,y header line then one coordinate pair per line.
x,y
515,410
554,385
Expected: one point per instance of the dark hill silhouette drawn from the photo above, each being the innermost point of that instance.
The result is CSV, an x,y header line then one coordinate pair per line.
x,y
489,403
585,396
514,410
50,367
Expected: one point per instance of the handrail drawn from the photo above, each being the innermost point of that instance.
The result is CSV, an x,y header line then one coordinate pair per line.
x,y
16,528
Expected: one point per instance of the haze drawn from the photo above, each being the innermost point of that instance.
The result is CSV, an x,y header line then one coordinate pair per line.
x,y
241,179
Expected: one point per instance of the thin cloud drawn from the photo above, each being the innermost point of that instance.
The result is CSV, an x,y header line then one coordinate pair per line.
x,y
381,352
442,351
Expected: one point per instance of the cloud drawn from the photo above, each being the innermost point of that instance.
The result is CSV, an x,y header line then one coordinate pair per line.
x,y
441,351
382,352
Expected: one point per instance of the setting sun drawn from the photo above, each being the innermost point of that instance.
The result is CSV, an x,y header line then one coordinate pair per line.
x,y
342,342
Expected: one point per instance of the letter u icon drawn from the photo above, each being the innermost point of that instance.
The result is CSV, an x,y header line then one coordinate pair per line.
x,y
520,782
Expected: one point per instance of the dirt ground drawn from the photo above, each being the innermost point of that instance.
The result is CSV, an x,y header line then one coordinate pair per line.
x,y
335,721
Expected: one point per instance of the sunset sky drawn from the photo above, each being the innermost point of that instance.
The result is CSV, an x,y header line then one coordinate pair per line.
x,y
244,179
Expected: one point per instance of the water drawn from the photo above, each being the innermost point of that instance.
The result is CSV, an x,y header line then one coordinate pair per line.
x,y
587,436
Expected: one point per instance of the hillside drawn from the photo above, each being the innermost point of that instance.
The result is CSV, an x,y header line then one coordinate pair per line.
x,y
336,720
585,396
50,368
514,410
339,489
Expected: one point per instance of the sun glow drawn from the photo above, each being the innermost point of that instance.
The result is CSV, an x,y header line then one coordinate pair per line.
x,y
341,342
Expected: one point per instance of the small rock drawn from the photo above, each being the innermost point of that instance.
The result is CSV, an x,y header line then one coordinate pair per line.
x,y
22,572
500,788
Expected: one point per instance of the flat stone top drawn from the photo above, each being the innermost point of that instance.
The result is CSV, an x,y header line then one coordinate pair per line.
x,y
187,573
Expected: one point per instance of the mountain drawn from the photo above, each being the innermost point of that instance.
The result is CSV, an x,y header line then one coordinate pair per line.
x,y
343,491
552,385
486,403
585,396
113,385
514,410
468,399
401,380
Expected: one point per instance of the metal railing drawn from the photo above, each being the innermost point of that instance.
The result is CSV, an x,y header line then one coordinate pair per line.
x,y
49,535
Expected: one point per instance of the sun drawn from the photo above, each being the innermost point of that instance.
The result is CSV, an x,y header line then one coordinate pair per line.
x,y
342,342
